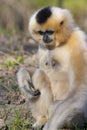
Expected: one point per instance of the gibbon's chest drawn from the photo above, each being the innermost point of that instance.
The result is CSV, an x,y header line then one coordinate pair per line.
x,y
56,64
47,61
55,61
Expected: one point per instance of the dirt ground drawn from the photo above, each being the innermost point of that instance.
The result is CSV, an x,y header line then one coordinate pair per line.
x,y
14,111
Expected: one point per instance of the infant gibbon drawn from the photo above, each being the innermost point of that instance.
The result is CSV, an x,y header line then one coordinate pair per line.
x,y
62,68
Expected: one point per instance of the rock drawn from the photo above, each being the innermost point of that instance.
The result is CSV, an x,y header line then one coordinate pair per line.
x,y
2,125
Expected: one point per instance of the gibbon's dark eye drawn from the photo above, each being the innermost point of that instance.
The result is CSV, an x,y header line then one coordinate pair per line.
x,y
50,32
40,32
61,23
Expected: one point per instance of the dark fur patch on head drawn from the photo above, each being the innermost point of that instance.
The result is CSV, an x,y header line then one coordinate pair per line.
x,y
43,15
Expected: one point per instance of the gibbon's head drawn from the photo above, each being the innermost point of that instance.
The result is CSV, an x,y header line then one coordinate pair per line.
x,y
51,26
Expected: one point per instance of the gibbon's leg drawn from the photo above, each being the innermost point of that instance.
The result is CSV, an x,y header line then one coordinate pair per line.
x,y
40,108
38,92
25,84
53,107
68,111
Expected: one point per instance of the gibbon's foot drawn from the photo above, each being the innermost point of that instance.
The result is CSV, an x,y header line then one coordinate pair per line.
x,y
25,84
39,124
38,128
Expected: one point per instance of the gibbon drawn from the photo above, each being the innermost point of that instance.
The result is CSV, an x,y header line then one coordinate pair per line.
x,y
60,83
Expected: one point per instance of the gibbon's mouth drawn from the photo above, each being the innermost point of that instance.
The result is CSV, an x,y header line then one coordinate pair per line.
x,y
48,41
50,46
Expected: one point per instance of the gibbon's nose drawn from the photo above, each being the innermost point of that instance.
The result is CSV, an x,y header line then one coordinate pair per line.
x,y
46,39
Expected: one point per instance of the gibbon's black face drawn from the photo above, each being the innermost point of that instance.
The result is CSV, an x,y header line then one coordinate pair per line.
x,y
47,35
50,26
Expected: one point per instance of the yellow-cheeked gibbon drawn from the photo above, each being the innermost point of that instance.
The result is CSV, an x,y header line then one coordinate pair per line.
x,y
57,91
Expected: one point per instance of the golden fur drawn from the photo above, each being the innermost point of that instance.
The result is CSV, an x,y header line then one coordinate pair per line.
x,y
62,73
62,32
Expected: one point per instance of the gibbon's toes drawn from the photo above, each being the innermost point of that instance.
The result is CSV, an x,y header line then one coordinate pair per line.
x,y
37,93
34,128
37,127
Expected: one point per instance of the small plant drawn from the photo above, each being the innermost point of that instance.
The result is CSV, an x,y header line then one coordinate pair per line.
x,y
11,62
19,122
20,59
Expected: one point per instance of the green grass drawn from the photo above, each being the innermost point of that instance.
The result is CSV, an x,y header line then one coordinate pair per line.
x,y
19,122
11,62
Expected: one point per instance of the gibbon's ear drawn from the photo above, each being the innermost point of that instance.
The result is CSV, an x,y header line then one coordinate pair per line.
x,y
68,16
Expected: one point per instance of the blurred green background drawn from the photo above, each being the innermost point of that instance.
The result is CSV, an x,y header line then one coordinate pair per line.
x,y
14,14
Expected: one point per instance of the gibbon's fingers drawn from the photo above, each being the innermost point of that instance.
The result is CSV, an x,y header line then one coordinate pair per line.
x,y
31,89
25,84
